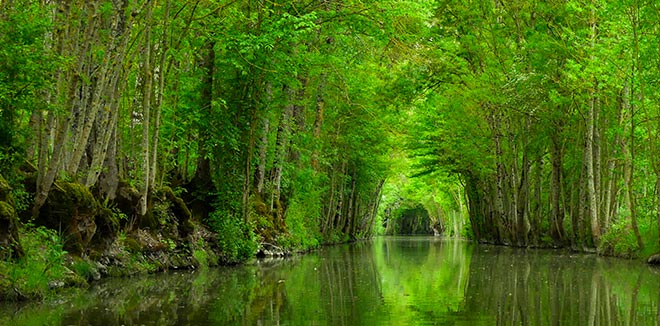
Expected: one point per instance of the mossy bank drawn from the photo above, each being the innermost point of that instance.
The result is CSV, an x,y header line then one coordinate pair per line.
x,y
76,239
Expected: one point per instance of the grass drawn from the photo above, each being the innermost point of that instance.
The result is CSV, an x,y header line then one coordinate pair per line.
x,y
39,269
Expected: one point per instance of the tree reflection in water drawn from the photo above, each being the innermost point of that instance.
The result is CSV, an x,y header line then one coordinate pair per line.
x,y
395,281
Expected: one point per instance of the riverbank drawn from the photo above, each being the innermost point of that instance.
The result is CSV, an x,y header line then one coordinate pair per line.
x,y
76,239
47,267
79,236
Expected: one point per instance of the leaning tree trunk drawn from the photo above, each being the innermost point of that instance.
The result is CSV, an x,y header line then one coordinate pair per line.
x,y
50,159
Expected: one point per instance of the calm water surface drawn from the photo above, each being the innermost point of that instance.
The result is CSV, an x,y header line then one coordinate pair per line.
x,y
389,281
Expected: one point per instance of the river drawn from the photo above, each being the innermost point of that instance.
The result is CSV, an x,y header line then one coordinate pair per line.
x,y
387,281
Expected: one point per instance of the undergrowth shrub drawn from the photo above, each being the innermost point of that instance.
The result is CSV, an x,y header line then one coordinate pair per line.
x,y
303,234
42,264
619,240
304,212
236,238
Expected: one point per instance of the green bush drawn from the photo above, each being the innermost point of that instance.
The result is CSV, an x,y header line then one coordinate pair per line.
x,y
648,229
22,200
42,264
619,240
201,257
303,233
236,238
467,232
83,268
304,212
200,254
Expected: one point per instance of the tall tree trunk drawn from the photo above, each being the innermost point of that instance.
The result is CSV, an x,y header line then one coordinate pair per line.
x,y
499,219
146,117
81,90
59,125
610,192
640,98
536,214
247,182
202,177
105,79
109,181
283,138
589,151
260,174
373,208
628,152
106,126
263,148
46,137
523,200
282,147
339,210
330,204
557,216
318,122
161,71
349,216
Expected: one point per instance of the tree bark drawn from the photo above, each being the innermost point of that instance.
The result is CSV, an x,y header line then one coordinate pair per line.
x,y
282,144
59,125
106,127
161,71
146,117
640,98
105,80
557,216
592,210
247,182
628,152
202,176
263,148
318,123
109,180
499,219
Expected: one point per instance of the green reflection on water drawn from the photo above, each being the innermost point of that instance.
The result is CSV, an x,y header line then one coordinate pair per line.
x,y
390,281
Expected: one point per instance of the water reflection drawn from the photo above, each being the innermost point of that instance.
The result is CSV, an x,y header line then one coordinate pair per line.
x,y
535,287
390,281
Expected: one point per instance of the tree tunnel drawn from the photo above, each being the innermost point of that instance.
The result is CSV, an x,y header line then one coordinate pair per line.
x,y
409,220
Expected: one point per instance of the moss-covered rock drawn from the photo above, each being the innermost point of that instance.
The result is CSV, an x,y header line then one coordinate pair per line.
x,y
654,260
5,191
180,211
107,228
10,244
133,246
72,208
127,201
263,218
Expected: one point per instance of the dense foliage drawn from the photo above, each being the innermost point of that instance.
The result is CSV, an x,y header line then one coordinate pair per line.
x,y
548,113
266,121
284,122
